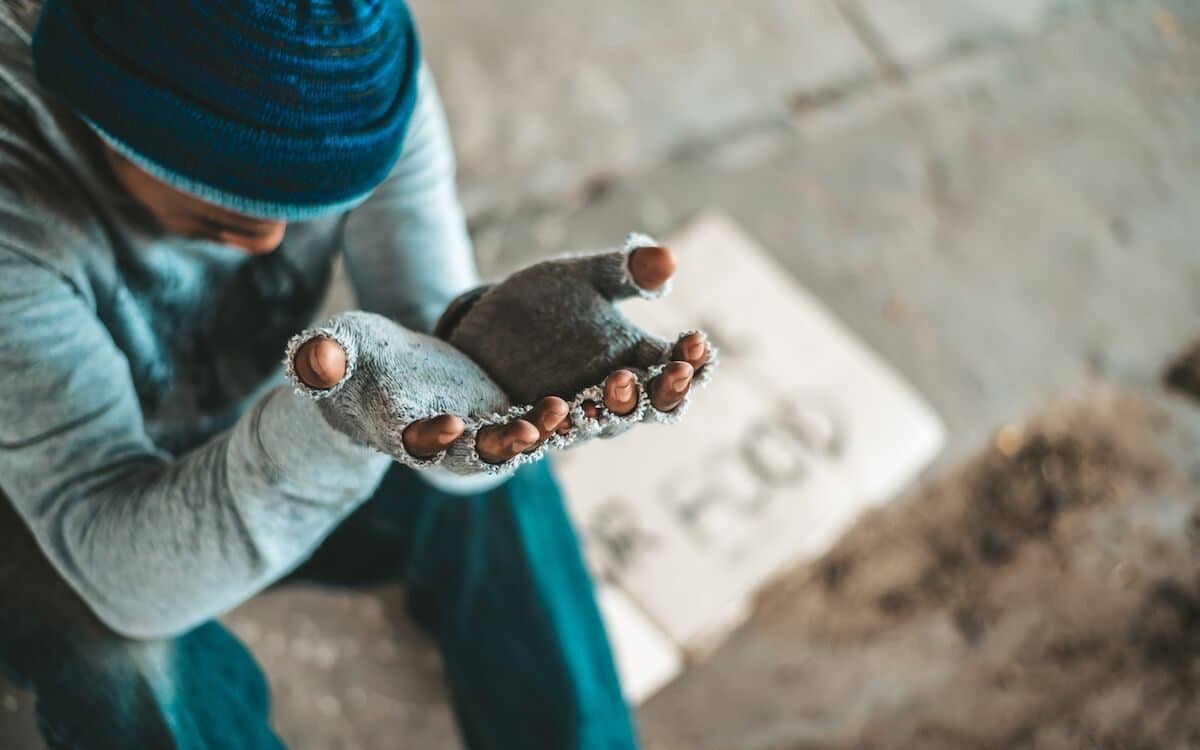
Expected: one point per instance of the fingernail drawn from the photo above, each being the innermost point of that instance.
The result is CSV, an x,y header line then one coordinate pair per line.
x,y
694,350
519,445
326,362
681,386
550,421
625,392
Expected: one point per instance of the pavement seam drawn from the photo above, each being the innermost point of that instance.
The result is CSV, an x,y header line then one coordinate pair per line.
x,y
866,33
889,74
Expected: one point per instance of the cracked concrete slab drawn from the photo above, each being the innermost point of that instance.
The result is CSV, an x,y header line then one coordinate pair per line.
x,y
542,96
1002,229
912,33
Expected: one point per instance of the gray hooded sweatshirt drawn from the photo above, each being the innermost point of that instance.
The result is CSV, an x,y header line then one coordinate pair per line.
x,y
145,434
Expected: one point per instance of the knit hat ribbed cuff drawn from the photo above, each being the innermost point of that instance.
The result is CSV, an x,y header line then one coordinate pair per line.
x,y
237,203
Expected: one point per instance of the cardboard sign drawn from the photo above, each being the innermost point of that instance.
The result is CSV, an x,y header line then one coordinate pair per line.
x,y
646,658
801,429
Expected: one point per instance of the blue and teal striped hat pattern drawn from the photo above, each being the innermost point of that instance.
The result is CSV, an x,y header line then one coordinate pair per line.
x,y
286,109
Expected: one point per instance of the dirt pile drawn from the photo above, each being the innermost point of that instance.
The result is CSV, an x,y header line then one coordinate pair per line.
x,y
1043,595
1182,375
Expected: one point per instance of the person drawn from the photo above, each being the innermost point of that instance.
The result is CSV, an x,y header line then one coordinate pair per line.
x,y
176,181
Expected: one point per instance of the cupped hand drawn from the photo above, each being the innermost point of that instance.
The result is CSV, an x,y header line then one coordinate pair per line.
x,y
554,328
549,337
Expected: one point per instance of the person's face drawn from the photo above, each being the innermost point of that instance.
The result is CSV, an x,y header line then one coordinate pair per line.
x,y
189,216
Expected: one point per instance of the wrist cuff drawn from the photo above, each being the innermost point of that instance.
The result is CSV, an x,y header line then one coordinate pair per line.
x,y
456,310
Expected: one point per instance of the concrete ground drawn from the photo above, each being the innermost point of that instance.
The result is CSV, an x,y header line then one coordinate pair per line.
x,y
1000,198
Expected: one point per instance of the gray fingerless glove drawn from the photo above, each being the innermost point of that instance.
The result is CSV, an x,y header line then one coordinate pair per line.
x,y
394,377
552,329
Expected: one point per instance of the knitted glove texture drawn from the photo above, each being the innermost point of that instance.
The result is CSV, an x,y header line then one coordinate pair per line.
x,y
553,329
550,329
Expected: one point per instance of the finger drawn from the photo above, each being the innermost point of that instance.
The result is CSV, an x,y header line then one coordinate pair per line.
x,y
426,438
620,392
547,415
320,363
668,389
591,409
692,349
652,267
499,443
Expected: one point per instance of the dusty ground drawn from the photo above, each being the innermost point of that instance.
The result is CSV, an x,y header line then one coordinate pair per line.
x,y
1045,594
997,195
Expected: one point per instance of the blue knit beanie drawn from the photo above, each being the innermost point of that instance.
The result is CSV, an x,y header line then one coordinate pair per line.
x,y
283,109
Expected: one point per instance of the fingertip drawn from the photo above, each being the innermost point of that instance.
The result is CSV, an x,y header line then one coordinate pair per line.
x,y
669,388
522,435
425,438
620,392
329,360
620,377
652,267
692,349
549,413
554,405
679,369
449,427
320,363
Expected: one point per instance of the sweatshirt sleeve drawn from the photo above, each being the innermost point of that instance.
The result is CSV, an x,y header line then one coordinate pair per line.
x,y
153,544
407,250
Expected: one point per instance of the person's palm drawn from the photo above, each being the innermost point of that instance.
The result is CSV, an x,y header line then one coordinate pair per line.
x,y
553,329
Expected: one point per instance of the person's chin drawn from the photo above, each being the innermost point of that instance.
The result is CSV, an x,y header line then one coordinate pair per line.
x,y
252,247
254,250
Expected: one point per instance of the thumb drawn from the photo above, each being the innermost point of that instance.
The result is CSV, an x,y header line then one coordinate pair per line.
x,y
652,267
320,363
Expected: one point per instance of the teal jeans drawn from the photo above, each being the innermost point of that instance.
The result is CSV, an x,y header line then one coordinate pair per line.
x,y
495,579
